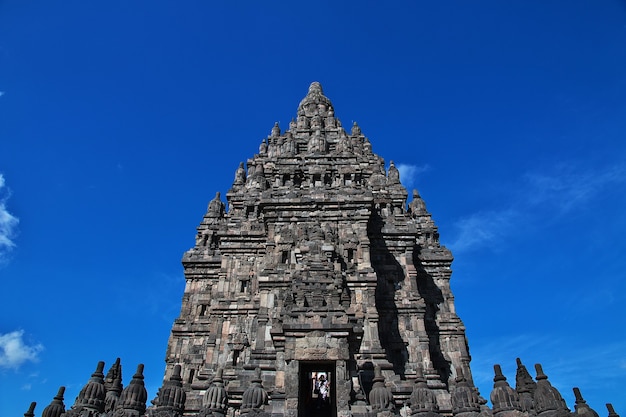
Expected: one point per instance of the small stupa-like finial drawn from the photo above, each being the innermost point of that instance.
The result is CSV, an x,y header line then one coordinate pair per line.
x,y
31,410
578,396
547,397
134,396
218,375
499,376
611,410
581,408
316,87
540,375
56,407
276,130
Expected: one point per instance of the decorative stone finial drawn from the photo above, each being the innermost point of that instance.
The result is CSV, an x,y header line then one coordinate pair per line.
x,y
315,88
216,397
381,397
581,409
464,398
540,374
31,410
56,407
525,387
113,385
356,130
171,397
240,175
503,397
255,396
114,374
314,104
93,394
417,206
547,398
276,130
423,400
216,207
499,379
611,410
393,175
134,396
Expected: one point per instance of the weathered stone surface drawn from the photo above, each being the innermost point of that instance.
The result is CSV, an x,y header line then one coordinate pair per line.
x,y
548,400
465,400
132,402
170,400
581,409
316,265
318,259
423,402
91,399
504,399
56,407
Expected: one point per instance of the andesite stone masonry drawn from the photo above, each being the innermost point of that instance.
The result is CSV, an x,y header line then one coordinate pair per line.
x,y
316,270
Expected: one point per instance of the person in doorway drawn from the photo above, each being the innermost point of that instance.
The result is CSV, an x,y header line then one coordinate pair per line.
x,y
321,387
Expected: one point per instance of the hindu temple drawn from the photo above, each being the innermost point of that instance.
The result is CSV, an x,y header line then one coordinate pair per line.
x,y
316,288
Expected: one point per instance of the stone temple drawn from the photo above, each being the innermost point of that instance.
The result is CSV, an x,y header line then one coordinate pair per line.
x,y
318,265
316,290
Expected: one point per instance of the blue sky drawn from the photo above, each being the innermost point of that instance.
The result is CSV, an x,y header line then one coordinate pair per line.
x,y
120,120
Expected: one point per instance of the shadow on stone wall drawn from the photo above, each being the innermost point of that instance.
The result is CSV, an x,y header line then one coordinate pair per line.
x,y
432,296
390,276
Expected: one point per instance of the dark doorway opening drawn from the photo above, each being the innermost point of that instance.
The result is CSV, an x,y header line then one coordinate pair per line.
x,y
317,392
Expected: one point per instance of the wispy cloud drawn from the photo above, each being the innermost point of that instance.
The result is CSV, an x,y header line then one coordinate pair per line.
x,y
409,173
568,187
8,222
485,228
538,194
14,351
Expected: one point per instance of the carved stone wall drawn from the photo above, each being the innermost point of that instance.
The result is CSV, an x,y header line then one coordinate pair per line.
x,y
316,257
318,266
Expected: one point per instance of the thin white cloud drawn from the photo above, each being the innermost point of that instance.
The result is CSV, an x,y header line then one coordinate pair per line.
x,y
484,228
8,223
568,187
409,173
14,351
552,194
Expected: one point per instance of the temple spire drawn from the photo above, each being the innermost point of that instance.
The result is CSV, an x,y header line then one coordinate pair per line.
x,y
315,103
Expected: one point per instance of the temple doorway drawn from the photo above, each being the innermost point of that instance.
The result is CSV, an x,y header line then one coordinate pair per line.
x,y
317,393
